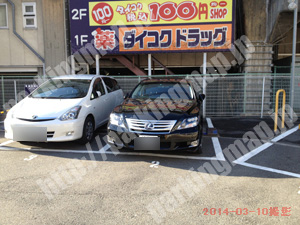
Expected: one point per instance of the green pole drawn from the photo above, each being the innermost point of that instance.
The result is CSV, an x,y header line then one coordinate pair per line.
x,y
274,86
3,97
245,92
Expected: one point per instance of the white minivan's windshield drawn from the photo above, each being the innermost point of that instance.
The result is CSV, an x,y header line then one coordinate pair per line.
x,y
62,89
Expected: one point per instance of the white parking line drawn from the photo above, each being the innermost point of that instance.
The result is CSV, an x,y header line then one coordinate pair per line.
x,y
216,143
270,169
242,160
209,123
105,150
285,134
6,143
256,151
218,149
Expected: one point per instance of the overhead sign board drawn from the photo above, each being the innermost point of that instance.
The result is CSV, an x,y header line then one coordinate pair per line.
x,y
120,27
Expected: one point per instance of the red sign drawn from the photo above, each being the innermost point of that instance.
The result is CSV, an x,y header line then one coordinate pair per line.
x,y
223,4
214,4
102,13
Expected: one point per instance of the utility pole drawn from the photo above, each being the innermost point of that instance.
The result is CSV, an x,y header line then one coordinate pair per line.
x,y
293,6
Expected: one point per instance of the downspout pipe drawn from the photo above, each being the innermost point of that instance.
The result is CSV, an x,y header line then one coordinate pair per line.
x,y
21,39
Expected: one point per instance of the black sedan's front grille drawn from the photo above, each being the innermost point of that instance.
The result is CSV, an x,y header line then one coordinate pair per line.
x,y
150,125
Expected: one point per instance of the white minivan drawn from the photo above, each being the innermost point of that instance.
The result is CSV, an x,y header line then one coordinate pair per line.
x,y
65,108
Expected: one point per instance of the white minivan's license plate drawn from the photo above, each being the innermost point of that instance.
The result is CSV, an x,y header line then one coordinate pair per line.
x,y
146,143
31,134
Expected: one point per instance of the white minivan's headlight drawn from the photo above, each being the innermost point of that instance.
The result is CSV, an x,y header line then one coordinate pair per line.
x,y
72,114
189,123
117,119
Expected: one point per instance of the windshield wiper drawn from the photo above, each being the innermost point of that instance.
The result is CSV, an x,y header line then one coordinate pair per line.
x,y
37,97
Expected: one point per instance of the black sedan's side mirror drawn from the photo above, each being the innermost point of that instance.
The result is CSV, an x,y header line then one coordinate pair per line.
x,y
202,97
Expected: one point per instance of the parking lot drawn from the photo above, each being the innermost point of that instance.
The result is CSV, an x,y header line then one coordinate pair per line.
x,y
63,183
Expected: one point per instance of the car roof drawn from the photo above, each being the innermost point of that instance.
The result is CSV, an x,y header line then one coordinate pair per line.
x,y
166,80
79,77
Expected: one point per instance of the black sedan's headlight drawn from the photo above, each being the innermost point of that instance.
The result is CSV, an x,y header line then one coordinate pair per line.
x,y
189,123
117,119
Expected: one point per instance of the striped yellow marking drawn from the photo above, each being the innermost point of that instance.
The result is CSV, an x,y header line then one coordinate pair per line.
x,y
2,112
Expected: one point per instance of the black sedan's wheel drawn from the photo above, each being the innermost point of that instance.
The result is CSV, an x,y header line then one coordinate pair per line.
x,y
88,131
198,150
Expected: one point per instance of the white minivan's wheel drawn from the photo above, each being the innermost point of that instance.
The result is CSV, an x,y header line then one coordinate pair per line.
x,y
88,131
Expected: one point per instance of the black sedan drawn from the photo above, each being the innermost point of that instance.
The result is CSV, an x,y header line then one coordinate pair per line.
x,y
159,114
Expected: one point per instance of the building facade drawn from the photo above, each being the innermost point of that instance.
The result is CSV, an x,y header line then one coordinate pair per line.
x,y
32,34
35,34
36,39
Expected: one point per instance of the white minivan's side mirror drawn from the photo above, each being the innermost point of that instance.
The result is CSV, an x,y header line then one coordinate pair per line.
x,y
98,93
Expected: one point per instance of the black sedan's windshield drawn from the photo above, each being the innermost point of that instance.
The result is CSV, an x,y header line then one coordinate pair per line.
x,y
63,89
174,91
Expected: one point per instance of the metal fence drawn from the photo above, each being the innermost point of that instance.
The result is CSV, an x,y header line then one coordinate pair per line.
x,y
228,95
235,94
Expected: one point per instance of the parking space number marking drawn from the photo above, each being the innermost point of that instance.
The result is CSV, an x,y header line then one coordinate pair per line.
x,y
155,164
30,158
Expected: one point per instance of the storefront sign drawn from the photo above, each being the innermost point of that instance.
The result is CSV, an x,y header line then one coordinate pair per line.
x,y
120,27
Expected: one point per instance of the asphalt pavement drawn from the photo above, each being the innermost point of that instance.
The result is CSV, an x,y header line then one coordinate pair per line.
x,y
67,183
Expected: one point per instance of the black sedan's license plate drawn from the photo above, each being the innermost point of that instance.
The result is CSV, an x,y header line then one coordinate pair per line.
x,y
147,143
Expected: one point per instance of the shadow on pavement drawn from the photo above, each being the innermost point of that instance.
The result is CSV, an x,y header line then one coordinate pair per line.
x,y
230,130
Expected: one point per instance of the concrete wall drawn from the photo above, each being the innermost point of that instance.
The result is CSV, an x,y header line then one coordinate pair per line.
x,y
15,56
278,13
54,33
255,19
285,47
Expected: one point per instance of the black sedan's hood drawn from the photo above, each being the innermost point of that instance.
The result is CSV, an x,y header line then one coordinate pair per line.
x,y
160,109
